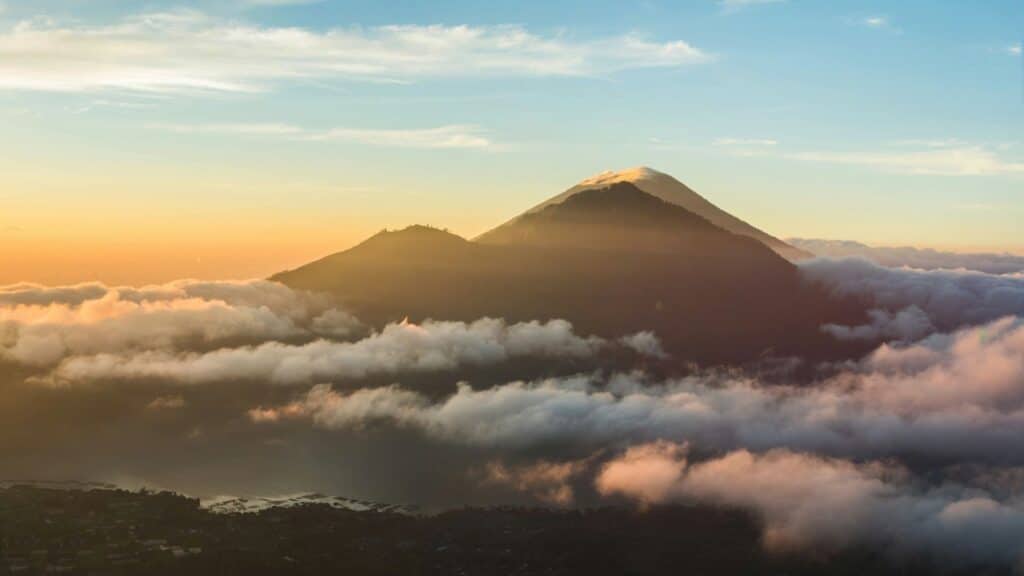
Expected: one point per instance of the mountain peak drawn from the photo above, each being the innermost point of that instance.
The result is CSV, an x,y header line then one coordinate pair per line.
x,y
620,217
664,187
634,174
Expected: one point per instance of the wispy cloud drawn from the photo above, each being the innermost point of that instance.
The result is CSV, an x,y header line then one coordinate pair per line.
x,y
455,136
735,5
940,157
745,146
118,104
876,22
187,50
258,129
281,2
1014,49
171,402
743,142
449,136
960,160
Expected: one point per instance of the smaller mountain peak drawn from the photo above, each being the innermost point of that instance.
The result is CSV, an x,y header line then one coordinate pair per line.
x,y
415,235
634,174
420,230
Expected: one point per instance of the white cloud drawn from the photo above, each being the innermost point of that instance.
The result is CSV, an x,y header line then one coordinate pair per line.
x,y
948,299
1014,50
405,347
645,343
948,157
907,325
743,142
281,2
256,129
646,472
43,325
190,51
453,136
734,5
806,501
964,160
876,21
951,397
450,136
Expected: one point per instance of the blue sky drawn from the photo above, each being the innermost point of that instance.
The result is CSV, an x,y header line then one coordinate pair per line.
x,y
237,121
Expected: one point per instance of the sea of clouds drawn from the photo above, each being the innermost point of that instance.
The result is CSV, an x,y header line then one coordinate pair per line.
x,y
913,447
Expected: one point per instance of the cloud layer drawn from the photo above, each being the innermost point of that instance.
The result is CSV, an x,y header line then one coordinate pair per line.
x,y
190,51
807,501
911,303
398,348
911,448
42,325
924,259
819,465
950,398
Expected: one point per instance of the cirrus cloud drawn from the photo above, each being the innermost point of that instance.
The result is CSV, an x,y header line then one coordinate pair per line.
x,y
449,136
189,51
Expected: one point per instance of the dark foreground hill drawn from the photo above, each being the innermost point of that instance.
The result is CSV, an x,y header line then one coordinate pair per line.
x,y
612,260
116,532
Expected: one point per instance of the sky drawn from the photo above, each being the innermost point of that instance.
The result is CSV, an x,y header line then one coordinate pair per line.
x,y
148,141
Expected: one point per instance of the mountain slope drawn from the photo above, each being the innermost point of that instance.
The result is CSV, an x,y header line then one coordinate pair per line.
x,y
612,260
670,190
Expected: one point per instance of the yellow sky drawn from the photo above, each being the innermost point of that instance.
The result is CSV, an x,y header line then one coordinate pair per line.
x,y
116,251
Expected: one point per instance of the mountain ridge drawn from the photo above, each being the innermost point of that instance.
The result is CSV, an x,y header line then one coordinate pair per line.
x,y
612,261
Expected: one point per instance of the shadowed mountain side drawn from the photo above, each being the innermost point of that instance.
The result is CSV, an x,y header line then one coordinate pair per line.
x,y
612,261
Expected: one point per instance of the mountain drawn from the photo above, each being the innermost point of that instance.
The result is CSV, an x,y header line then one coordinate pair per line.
x,y
670,190
612,260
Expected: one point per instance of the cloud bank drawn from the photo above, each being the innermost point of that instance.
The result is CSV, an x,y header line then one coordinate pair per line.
x,y
910,303
949,398
398,348
920,258
808,501
911,448
43,325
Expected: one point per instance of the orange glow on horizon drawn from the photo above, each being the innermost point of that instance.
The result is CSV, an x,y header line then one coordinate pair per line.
x,y
149,260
